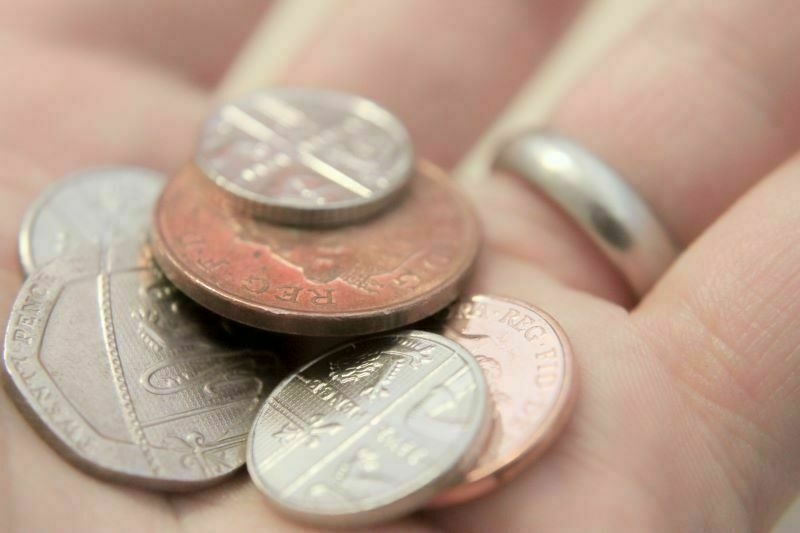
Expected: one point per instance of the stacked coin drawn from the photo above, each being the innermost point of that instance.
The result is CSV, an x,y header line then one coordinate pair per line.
x,y
303,216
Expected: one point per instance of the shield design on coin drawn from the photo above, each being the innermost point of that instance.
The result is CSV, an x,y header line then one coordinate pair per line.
x,y
130,378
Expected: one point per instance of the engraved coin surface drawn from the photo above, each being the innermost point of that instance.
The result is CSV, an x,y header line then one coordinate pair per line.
x,y
97,206
528,365
306,156
371,430
128,378
395,268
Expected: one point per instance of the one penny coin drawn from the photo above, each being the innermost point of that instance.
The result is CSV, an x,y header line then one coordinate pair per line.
x,y
528,365
126,377
371,430
306,157
397,267
97,206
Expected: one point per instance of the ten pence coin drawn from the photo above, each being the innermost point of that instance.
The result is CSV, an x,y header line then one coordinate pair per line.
x,y
126,377
371,430
528,365
399,266
306,156
96,206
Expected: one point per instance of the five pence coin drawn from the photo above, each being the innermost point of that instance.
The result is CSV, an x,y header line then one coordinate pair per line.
x,y
371,430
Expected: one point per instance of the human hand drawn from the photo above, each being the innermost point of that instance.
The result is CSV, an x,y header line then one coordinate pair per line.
x,y
686,418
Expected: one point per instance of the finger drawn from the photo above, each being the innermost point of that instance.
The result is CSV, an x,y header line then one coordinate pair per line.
x,y
726,321
108,110
196,38
687,417
446,68
691,110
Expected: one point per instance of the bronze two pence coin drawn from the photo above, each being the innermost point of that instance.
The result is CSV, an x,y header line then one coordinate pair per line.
x,y
128,378
528,364
395,268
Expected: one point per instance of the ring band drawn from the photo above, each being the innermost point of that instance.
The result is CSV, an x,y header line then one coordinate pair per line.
x,y
598,199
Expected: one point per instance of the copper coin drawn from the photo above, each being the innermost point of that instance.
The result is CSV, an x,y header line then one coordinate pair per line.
x,y
126,377
96,206
527,361
371,430
305,156
395,268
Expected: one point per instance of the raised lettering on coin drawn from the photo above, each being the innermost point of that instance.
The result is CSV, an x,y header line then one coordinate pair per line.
x,y
528,365
399,266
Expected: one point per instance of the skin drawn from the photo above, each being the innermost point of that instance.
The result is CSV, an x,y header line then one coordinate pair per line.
x,y
687,418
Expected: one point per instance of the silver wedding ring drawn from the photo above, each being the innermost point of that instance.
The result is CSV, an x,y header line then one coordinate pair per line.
x,y
598,199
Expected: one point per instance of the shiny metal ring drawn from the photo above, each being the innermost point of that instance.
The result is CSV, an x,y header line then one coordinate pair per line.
x,y
598,199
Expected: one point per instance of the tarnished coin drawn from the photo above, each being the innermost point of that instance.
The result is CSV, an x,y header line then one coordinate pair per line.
x,y
527,361
371,430
398,267
306,156
97,206
128,378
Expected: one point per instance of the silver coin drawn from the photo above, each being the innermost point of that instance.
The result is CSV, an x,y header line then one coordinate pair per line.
x,y
94,206
371,430
128,378
306,156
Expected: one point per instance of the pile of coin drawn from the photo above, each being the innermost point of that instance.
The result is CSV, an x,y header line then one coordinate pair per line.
x,y
164,337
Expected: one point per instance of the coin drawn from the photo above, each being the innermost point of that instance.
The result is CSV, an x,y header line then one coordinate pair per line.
x,y
302,349
371,430
126,377
527,361
393,269
94,206
306,156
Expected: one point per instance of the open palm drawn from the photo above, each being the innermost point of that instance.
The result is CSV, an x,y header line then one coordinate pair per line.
x,y
687,417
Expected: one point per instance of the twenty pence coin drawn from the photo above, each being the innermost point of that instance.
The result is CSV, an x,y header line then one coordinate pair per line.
x,y
527,361
126,377
371,430
97,206
395,268
305,156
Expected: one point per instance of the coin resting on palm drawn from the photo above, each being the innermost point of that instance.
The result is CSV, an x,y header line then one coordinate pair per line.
x,y
97,206
128,378
397,267
305,156
527,361
371,430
